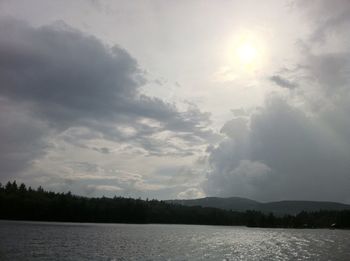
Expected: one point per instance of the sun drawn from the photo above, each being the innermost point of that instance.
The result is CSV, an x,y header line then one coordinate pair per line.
x,y
246,50
247,53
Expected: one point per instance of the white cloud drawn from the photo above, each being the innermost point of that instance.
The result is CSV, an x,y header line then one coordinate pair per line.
x,y
190,193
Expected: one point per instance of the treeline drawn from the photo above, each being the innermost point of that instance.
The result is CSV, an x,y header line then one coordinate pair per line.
x,y
17,202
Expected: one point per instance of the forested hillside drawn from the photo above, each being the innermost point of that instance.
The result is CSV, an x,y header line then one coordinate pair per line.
x,y
18,202
280,208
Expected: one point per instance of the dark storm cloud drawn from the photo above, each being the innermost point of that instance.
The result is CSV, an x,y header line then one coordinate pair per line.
x,y
56,78
283,152
22,139
327,16
329,70
70,79
284,83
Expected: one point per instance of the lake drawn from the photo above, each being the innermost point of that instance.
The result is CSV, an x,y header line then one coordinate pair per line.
x,y
80,241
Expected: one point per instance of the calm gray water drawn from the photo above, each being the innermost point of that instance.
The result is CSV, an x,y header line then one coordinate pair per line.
x,y
67,241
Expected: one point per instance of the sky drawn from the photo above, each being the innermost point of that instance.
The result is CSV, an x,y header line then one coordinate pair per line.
x,y
177,99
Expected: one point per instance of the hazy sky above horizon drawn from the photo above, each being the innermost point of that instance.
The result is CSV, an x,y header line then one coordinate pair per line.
x,y
177,99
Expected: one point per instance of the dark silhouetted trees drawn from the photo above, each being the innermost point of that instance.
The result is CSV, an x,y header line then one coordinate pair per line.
x,y
22,203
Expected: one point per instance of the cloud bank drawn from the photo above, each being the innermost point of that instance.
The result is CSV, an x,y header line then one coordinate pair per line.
x,y
59,83
79,114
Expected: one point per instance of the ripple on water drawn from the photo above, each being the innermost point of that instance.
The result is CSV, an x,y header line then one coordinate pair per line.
x,y
59,241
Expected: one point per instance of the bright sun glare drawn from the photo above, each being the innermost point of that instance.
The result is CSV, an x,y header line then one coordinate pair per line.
x,y
247,53
244,56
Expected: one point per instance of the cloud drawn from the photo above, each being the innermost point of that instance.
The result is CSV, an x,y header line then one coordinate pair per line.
x,y
284,151
191,193
284,83
102,150
296,146
56,79
179,176
22,138
97,179
329,70
326,16
102,188
235,128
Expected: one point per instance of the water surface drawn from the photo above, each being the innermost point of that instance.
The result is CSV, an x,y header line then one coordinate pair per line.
x,y
79,241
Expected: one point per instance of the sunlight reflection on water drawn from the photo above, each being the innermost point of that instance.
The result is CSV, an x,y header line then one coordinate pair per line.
x,y
66,241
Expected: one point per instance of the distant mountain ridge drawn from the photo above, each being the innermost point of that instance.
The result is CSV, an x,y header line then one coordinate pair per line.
x,y
291,207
